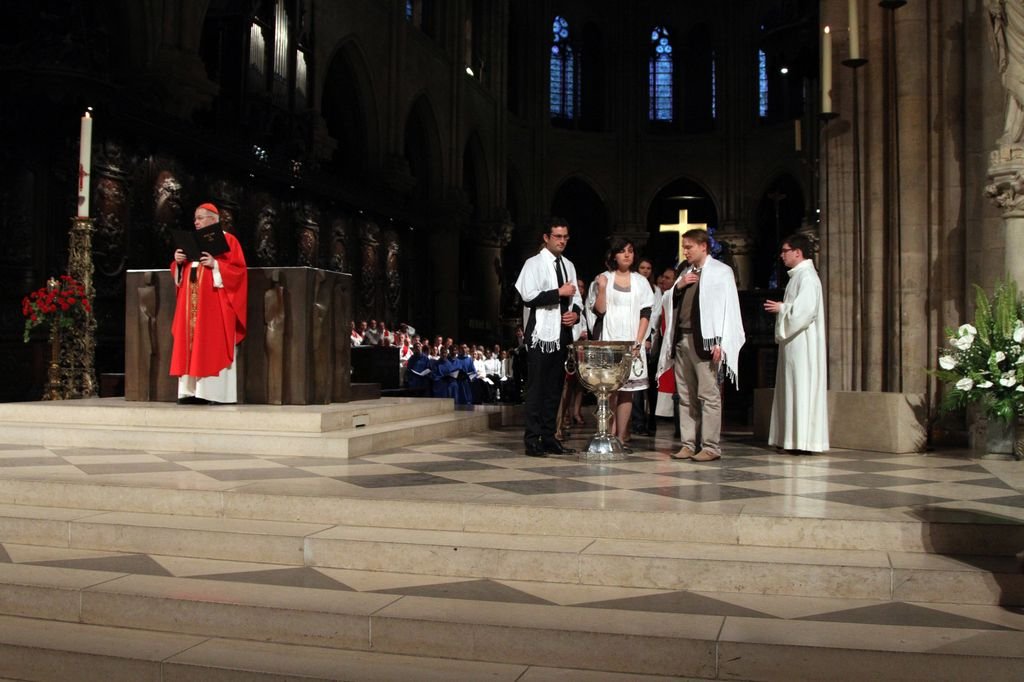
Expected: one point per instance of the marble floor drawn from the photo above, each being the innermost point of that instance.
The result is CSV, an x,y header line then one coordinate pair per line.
x,y
491,467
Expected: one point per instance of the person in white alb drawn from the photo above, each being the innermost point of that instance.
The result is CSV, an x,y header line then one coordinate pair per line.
x,y
800,410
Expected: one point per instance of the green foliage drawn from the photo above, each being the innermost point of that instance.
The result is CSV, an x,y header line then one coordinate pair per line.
x,y
984,362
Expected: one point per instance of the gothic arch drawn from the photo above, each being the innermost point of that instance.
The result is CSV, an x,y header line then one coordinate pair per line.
x,y
582,177
585,206
421,147
680,193
349,107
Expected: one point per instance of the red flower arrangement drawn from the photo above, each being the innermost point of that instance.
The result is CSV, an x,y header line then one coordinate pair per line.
x,y
57,303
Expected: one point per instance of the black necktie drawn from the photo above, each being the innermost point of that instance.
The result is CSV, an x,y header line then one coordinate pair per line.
x,y
565,334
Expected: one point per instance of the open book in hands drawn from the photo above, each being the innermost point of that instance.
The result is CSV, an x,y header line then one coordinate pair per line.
x,y
194,242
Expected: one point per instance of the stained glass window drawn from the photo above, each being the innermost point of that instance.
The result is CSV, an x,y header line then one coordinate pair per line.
x,y
408,10
563,72
762,84
660,77
714,87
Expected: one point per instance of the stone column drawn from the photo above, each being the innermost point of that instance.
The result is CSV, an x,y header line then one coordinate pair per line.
x,y
1006,163
1006,190
741,248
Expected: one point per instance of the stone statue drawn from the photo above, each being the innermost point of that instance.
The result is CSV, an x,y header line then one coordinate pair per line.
x,y
1006,18
392,272
266,241
339,248
368,233
273,344
167,214
309,235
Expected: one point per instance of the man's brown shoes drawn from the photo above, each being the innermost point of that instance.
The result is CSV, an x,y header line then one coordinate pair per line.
x,y
684,453
706,456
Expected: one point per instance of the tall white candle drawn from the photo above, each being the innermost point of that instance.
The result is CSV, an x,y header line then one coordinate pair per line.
x,y
84,166
826,71
854,30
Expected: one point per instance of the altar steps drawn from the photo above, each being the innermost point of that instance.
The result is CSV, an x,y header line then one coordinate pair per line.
x,y
84,565
336,430
44,650
109,623
677,565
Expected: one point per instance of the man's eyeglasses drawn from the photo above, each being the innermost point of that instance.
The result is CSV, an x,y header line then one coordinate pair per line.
x,y
564,237
787,250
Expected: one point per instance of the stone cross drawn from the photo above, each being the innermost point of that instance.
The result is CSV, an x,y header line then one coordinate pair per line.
x,y
681,227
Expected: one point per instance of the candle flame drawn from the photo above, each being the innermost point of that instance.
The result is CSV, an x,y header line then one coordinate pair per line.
x,y
828,30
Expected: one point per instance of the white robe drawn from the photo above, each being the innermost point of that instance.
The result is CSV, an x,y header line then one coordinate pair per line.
x,y
720,321
537,277
622,320
800,409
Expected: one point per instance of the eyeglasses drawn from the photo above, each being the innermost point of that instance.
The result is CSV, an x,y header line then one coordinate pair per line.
x,y
563,237
787,250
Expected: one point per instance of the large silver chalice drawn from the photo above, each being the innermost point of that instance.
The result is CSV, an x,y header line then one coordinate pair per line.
x,y
602,368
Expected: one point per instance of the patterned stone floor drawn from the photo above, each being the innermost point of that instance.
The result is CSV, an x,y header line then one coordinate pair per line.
x,y
860,611
492,467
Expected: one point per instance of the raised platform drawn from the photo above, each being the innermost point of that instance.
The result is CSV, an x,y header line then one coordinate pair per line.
x,y
861,420
336,430
472,561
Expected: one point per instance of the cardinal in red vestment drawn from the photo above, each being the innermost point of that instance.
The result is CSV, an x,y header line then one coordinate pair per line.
x,y
209,318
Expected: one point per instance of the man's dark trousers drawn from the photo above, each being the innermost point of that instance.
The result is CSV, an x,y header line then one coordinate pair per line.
x,y
545,377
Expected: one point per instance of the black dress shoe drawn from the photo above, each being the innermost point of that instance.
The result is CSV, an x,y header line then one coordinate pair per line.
x,y
555,448
535,449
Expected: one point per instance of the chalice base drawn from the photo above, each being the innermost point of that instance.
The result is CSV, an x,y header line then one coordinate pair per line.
x,y
603,447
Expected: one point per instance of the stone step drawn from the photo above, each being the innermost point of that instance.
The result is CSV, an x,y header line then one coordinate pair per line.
x,y
950,533
349,442
556,559
314,419
44,650
102,625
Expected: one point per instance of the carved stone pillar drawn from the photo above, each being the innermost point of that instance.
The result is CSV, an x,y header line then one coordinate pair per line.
x,y
1006,190
741,248
487,272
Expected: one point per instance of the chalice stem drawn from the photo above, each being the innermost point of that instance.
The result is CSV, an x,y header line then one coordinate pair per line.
x,y
603,413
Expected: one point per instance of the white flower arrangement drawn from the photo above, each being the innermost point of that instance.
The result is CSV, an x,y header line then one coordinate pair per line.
x,y
982,363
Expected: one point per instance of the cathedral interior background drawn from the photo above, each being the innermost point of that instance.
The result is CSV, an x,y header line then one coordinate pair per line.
x,y
419,145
